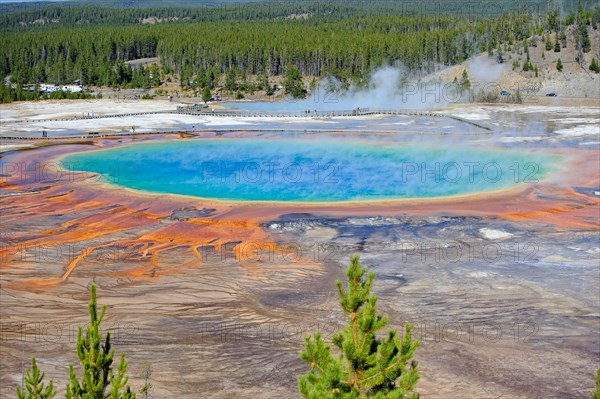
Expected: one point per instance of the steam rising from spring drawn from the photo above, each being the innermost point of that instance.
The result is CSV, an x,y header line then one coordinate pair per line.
x,y
388,88
484,70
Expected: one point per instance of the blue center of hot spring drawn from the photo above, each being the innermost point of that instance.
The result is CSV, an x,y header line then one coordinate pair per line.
x,y
308,170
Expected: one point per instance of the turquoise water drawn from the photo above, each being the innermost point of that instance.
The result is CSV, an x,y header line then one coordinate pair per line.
x,y
309,170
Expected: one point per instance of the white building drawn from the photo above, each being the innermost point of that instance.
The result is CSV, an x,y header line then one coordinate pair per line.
x,y
66,88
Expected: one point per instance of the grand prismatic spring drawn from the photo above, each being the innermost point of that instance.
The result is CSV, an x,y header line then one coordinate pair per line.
x,y
317,170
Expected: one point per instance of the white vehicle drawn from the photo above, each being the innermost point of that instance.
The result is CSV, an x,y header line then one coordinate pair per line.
x,y
72,89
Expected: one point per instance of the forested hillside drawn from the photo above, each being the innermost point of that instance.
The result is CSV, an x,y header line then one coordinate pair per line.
x,y
206,46
366,6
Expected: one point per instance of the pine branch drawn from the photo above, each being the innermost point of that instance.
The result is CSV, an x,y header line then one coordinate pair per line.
x,y
35,386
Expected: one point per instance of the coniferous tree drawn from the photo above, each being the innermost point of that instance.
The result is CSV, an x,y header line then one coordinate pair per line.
x,y
263,82
553,22
293,84
594,66
586,44
5,94
35,387
99,380
583,37
527,66
146,389
563,39
206,94
559,65
556,45
596,393
367,366
230,80
548,46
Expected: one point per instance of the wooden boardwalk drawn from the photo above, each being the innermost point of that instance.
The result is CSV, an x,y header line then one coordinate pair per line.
x,y
194,110
203,111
